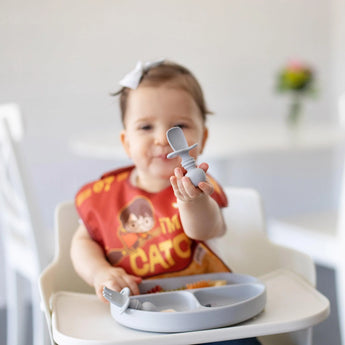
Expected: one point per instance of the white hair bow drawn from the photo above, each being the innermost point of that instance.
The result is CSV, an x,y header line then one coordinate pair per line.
x,y
132,79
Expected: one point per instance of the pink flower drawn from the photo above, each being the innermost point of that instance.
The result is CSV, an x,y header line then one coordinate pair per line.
x,y
295,65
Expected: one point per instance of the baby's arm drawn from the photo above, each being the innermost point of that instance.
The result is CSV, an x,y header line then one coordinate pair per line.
x,y
200,214
90,263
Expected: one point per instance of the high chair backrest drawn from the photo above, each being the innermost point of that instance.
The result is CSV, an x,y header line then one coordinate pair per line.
x,y
66,223
60,274
246,248
20,222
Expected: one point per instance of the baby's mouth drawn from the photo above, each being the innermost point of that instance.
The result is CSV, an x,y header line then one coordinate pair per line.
x,y
161,155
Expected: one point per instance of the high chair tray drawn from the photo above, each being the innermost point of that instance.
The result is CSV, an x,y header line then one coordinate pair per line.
x,y
240,297
292,305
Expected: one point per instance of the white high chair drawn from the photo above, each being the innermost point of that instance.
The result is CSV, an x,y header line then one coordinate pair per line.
x,y
75,315
25,248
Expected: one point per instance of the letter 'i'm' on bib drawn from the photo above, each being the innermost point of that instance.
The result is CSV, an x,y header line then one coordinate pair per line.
x,y
142,232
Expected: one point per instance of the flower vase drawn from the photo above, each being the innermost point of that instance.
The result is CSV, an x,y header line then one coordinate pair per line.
x,y
294,118
295,112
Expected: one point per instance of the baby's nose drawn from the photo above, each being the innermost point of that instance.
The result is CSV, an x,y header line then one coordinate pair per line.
x,y
161,138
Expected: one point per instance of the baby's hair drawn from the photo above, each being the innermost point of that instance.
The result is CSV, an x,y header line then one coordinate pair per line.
x,y
171,74
139,207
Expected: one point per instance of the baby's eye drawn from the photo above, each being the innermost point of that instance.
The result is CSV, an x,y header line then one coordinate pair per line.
x,y
146,127
181,125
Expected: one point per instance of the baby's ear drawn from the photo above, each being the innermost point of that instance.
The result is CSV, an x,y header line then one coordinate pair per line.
x,y
204,139
125,143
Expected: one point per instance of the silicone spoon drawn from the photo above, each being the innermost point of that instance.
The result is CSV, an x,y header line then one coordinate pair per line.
x,y
179,144
122,300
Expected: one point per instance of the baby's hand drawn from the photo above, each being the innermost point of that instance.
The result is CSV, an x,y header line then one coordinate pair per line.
x,y
183,187
115,278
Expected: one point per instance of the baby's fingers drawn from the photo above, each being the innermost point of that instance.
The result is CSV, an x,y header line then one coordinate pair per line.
x,y
110,284
190,191
132,284
99,293
204,166
206,187
175,182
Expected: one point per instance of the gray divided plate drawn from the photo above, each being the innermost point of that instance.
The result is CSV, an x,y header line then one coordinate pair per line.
x,y
242,298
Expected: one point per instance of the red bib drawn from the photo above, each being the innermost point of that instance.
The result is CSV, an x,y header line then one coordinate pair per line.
x,y
142,232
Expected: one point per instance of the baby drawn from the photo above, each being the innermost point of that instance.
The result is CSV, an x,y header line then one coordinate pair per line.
x,y
167,218
149,220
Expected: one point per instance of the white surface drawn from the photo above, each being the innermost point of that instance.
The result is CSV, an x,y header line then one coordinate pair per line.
x,y
63,79
292,304
226,139
314,234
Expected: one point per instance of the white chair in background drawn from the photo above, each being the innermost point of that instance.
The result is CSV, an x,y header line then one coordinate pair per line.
x,y
26,250
245,248
322,236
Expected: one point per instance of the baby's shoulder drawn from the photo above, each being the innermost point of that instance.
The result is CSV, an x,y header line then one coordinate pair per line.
x,y
96,188
218,194
118,173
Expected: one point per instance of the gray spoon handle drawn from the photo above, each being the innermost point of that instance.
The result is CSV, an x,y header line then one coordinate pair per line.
x,y
178,143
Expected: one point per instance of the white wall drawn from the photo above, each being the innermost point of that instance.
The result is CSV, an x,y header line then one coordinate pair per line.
x,y
338,46
60,60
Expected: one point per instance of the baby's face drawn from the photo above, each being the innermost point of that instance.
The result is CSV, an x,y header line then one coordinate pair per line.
x,y
141,223
151,111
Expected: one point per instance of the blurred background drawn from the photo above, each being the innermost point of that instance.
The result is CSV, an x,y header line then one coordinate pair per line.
x,y
60,60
